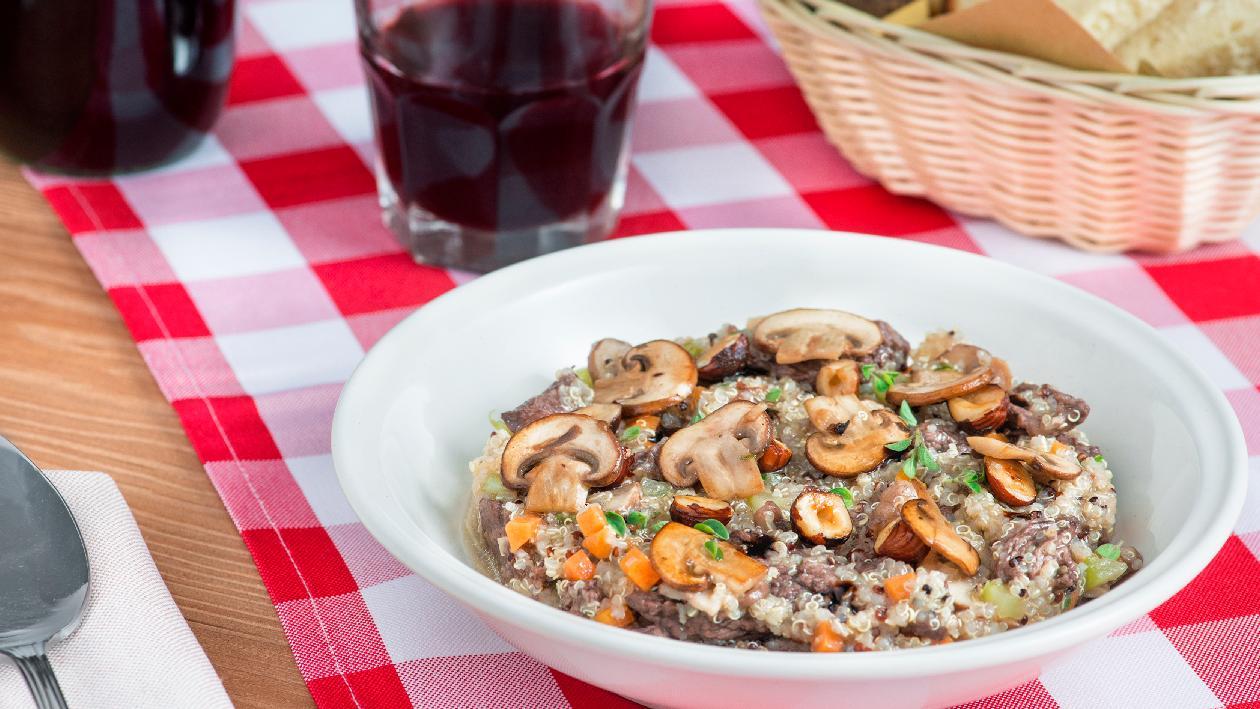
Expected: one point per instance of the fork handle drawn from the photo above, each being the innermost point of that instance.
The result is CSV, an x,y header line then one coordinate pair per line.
x,y
33,663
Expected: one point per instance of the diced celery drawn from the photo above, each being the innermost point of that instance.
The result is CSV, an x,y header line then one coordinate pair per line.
x,y
493,487
1100,570
585,375
1008,605
656,488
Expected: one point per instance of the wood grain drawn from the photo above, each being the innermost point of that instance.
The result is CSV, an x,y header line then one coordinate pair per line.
x,y
75,394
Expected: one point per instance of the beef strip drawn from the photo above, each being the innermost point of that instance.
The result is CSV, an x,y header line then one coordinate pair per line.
x,y
545,404
493,518
939,433
1030,545
660,616
1065,412
892,351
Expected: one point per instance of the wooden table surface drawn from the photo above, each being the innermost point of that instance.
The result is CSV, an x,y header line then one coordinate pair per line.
x,y
75,394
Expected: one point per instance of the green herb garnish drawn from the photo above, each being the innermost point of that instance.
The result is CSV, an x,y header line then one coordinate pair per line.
x,y
907,415
907,468
696,418
659,526
714,527
844,494
1108,551
774,394
636,519
880,380
866,370
631,433
1098,458
972,479
497,423
925,457
713,549
617,522
585,375
899,446
694,348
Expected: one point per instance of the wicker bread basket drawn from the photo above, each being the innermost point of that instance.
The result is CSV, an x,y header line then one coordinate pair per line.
x,y
1105,162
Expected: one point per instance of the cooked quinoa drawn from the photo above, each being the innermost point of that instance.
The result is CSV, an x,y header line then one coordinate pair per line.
x,y
885,529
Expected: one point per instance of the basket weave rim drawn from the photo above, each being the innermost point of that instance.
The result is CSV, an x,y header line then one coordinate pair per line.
x,y
1231,94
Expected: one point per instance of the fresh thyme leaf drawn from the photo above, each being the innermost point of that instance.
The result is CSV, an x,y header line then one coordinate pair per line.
x,y
585,375
907,468
713,549
866,370
907,415
636,519
844,494
631,433
497,423
659,526
714,527
696,418
899,446
617,522
774,394
1098,458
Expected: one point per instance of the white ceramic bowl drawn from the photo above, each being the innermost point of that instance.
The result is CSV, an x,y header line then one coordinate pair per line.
x,y
414,414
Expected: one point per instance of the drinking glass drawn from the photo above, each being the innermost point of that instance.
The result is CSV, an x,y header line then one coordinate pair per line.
x,y
501,125
105,86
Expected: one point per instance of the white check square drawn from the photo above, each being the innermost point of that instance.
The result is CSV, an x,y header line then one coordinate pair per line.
x,y
711,174
348,111
417,621
662,80
315,475
1048,256
242,245
294,24
1135,671
287,358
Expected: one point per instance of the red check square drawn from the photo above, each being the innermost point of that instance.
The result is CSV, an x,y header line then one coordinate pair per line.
x,y
874,210
1225,655
97,206
226,428
381,282
650,223
713,22
378,687
311,176
159,311
747,110
298,563
261,78
1210,290
1220,592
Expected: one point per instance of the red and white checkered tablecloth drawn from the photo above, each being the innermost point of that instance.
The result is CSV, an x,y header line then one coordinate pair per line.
x,y
255,274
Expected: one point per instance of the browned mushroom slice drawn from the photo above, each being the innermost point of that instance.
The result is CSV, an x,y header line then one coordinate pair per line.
x,y
720,451
605,358
839,378
993,448
960,371
775,457
694,509
930,525
1046,467
727,356
1009,482
558,458
981,410
803,334
896,541
1001,373
861,447
647,379
821,517
608,413
832,413
678,554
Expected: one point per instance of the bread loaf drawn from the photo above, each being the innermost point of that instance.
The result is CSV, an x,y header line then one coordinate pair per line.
x,y
1197,38
1111,21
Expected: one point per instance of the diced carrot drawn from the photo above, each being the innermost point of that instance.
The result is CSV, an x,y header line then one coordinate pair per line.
x,y
899,588
945,640
599,545
649,422
638,568
1057,448
606,616
591,520
826,639
521,530
579,567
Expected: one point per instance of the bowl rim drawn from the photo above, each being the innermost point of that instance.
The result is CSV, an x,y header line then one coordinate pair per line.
x,y
1209,521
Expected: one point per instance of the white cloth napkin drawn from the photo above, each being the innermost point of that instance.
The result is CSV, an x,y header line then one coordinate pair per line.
x,y
132,649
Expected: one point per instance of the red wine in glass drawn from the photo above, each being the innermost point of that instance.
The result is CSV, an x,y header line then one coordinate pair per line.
x,y
100,86
502,125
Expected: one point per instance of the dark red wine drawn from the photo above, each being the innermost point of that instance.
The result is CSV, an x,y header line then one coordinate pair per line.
x,y
110,85
502,114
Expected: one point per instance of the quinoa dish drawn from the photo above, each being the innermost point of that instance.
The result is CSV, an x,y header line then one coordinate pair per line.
x,y
808,482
